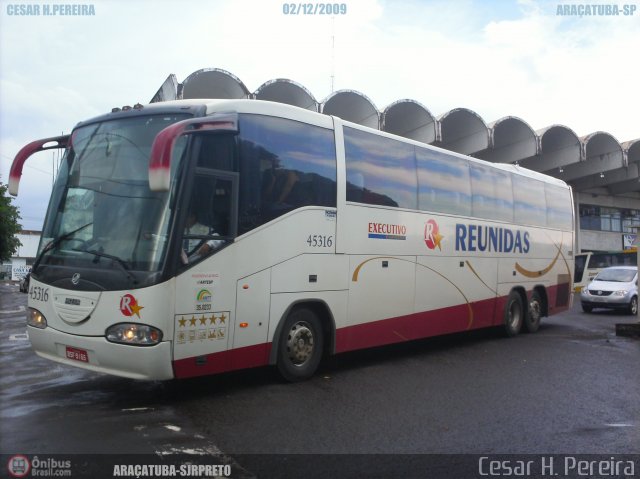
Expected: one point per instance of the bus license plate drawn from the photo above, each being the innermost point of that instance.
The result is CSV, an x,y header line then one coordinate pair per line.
x,y
77,354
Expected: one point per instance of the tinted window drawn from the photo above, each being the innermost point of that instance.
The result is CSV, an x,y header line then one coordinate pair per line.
x,y
603,260
529,201
284,165
444,182
380,170
580,263
559,213
491,193
216,152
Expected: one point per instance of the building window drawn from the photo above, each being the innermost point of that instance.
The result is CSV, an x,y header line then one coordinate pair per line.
x,y
630,221
600,218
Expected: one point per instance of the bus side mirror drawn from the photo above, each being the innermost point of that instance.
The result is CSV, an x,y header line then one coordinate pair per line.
x,y
35,146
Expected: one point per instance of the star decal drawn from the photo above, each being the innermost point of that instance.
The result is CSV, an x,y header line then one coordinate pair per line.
x,y
437,238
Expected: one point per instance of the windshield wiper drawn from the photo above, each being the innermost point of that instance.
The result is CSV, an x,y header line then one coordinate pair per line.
x,y
126,267
55,243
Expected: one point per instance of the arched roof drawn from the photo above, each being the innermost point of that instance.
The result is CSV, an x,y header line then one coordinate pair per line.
x,y
410,119
463,131
286,91
511,139
601,152
168,90
352,106
213,83
632,151
558,146
596,160
608,165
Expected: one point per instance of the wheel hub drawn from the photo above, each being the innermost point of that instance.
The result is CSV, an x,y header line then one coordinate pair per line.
x,y
534,310
514,313
300,343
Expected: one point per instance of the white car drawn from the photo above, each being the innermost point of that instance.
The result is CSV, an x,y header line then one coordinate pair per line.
x,y
615,287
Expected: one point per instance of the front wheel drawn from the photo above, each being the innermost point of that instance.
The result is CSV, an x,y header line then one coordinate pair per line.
x,y
587,308
513,314
633,306
300,345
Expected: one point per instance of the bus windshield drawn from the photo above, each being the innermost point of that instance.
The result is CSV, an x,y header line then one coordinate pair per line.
x,y
102,214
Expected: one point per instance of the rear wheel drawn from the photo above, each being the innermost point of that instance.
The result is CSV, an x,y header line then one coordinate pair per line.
x,y
300,345
534,313
513,314
633,306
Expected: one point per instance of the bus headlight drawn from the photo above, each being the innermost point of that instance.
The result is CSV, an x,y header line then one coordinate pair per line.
x,y
134,334
36,319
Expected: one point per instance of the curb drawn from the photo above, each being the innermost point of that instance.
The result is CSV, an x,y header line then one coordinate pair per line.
x,y
629,330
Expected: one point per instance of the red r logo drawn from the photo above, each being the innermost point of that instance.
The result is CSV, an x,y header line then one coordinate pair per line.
x,y
129,306
432,236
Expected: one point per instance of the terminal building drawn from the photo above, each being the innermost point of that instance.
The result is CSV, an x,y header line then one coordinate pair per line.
x,y
20,263
603,172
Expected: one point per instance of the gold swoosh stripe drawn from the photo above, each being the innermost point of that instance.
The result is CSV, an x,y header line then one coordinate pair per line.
x,y
356,273
479,278
536,274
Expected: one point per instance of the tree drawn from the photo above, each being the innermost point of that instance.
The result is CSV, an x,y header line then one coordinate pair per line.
x,y
9,226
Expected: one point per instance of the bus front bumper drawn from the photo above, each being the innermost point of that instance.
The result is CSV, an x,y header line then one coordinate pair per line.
x,y
99,355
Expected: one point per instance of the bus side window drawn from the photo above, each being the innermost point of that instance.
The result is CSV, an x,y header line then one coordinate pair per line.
x,y
530,207
284,165
387,166
443,183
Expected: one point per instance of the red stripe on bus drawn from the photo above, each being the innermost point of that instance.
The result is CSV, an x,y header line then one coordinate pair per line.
x,y
454,319
241,358
416,326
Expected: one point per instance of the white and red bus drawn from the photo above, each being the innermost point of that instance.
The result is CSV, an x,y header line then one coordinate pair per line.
x,y
194,237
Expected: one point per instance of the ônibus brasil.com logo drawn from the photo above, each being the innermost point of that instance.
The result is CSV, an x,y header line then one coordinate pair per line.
x,y
18,466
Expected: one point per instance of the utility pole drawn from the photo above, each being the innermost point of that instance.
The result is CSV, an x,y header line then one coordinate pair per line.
x,y
333,50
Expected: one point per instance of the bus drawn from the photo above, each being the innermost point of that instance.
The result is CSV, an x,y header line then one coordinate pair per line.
x,y
314,236
589,264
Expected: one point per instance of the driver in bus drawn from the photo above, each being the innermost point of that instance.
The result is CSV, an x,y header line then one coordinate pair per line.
x,y
193,227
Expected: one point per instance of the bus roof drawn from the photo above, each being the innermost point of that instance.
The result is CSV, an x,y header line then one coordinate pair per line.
x,y
207,106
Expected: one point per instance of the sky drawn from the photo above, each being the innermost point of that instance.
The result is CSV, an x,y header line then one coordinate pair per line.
x,y
498,58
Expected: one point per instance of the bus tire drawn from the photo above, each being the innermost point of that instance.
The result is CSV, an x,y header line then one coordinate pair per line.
x,y
534,313
513,314
300,345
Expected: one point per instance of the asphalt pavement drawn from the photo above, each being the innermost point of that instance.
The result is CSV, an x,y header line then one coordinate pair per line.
x,y
571,388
